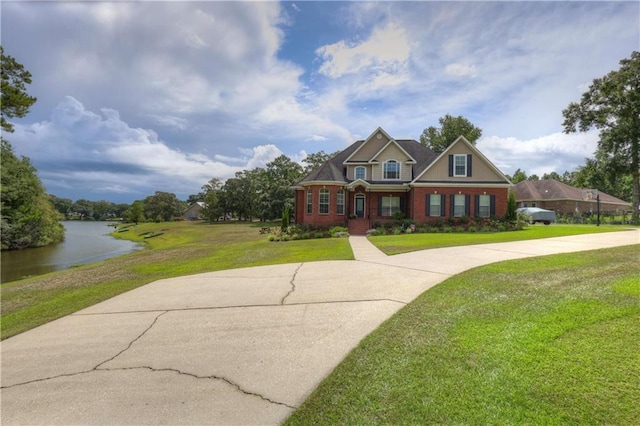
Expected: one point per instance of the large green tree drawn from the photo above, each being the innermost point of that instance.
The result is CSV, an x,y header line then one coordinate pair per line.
x,y
317,159
611,104
279,178
163,206
213,206
27,214
15,99
439,138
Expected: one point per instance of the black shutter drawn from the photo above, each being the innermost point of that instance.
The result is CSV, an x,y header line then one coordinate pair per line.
x,y
452,202
468,165
379,205
476,207
402,205
442,205
493,206
427,208
450,165
467,205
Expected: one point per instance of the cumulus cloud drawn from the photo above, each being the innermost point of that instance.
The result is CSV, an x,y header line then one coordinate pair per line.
x,y
557,152
79,149
386,50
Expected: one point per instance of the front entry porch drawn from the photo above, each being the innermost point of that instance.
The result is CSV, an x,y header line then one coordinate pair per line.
x,y
358,226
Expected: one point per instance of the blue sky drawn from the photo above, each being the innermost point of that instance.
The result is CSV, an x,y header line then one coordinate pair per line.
x,y
138,97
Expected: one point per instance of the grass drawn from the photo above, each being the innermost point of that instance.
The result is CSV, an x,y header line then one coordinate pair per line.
x,y
396,244
547,340
184,248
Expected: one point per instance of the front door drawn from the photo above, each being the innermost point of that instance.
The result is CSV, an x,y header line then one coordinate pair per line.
x,y
359,205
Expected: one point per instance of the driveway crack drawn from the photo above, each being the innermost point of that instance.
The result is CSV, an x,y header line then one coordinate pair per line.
x,y
132,342
97,367
211,377
293,284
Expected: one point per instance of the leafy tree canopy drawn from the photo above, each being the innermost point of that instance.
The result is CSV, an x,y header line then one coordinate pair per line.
x,y
28,217
438,139
15,100
611,104
317,159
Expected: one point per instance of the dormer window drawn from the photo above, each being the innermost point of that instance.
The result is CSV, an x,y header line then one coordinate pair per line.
x,y
391,170
361,173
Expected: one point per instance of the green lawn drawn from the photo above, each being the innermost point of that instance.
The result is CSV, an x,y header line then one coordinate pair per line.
x,y
550,340
184,248
395,244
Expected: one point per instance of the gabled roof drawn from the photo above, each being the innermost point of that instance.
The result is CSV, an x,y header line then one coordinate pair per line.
x,y
550,189
364,142
473,149
420,160
392,141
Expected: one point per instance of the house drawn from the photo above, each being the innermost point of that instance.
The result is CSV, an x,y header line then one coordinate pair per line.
x,y
565,199
194,211
373,179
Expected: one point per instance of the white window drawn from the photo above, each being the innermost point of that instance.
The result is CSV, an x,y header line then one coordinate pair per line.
x,y
434,204
391,170
340,202
361,172
389,205
323,201
484,209
309,201
459,205
459,165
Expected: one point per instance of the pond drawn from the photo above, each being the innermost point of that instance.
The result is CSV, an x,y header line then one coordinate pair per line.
x,y
85,242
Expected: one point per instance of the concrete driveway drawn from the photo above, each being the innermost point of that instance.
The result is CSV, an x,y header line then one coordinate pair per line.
x,y
243,346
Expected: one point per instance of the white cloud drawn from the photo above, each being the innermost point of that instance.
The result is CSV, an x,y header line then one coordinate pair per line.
x,y
78,149
386,49
557,152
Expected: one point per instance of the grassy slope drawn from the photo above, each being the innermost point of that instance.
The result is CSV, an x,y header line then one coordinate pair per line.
x,y
395,244
548,340
184,248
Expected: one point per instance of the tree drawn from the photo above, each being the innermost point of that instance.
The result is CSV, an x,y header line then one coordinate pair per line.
x,y
315,160
15,100
213,207
163,206
135,213
64,206
512,206
518,176
438,139
83,208
277,190
242,193
611,104
28,219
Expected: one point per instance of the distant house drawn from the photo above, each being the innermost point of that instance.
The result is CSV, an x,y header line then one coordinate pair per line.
x,y
194,211
373,179
565,199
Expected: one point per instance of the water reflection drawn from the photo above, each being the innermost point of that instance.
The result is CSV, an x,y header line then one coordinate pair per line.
x,y
85,242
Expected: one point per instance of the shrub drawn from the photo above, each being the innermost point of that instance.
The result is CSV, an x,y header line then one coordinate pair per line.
x,y
339,232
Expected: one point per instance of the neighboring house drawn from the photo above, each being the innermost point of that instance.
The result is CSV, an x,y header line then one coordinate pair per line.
x,y
565,199
194,211
372,179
